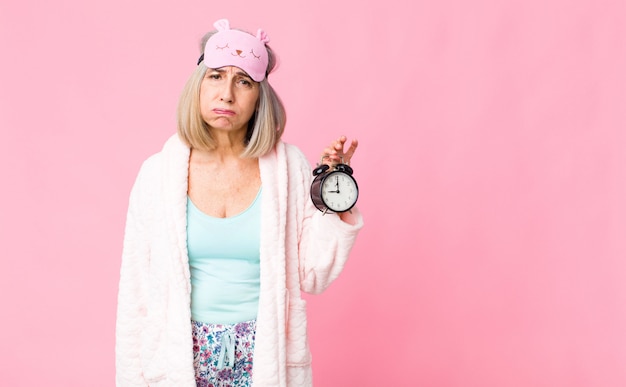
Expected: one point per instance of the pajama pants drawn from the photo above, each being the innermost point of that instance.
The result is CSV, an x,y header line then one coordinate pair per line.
x,y
222,353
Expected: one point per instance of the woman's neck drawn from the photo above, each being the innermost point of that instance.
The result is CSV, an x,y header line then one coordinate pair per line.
x,y
229,146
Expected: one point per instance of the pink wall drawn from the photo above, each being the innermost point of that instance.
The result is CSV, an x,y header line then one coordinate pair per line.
x,y
492,169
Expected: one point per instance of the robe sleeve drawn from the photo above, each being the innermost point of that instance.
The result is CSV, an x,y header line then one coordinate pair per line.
x,y
131,306
325,241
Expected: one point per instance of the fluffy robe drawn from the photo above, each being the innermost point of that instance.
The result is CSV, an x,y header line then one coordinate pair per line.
x,y
301,250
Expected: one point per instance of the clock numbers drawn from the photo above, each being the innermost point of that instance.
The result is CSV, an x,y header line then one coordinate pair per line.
x,y
336,191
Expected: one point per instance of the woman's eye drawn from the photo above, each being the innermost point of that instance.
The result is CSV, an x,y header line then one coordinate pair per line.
x,y
245,82
214,76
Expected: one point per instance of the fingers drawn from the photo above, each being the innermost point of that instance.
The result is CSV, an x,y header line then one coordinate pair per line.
x,y
334,153
353,145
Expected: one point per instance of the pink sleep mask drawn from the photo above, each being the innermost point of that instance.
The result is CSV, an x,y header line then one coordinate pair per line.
x,y
237,48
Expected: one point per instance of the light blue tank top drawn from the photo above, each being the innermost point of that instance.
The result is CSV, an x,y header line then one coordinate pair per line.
x,y
224,260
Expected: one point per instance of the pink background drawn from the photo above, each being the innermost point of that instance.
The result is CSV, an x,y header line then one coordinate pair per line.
x,y
492,167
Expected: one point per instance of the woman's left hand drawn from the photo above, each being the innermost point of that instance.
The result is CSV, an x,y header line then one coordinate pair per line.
x,y
334,153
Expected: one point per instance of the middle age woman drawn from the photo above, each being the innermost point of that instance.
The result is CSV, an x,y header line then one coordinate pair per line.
x,y
222,236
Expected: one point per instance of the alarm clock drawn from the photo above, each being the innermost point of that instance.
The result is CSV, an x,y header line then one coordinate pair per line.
x,y
334,190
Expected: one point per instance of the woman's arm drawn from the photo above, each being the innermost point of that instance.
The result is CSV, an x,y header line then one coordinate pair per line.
x,y
325,241
325,247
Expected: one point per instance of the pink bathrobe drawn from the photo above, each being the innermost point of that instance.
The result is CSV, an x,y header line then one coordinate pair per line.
x,y
301,250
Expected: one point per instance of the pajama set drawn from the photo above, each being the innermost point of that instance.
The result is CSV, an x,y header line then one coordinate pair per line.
x,y
224,262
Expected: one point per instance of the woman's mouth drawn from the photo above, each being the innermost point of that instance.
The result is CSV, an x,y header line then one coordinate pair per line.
x,y
224,112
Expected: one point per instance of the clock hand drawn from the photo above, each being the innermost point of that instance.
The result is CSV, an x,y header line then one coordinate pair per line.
x,y
337,184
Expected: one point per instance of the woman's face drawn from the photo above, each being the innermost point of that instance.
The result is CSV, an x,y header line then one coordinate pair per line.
x,y
228,98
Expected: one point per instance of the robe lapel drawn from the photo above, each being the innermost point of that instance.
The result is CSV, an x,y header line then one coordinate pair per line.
x,y
270,346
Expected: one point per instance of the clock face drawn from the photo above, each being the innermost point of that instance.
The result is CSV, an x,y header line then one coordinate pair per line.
x,y
339,191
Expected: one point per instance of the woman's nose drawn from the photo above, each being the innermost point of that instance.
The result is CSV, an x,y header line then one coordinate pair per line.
x,y
226,94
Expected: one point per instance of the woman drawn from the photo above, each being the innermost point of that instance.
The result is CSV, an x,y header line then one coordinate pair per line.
x,y
222,237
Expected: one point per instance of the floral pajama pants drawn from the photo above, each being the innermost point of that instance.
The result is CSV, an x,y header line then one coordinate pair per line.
x,y
222,353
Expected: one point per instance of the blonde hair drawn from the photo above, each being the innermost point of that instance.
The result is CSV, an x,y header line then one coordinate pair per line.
x,y
264,128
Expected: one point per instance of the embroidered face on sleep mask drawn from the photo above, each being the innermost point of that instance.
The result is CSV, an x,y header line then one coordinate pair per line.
x,y
237,48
